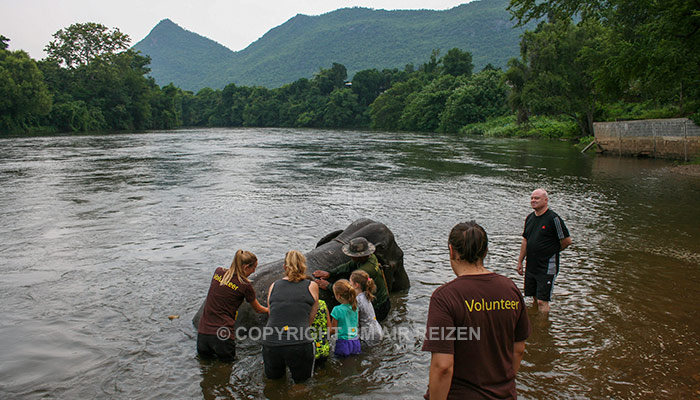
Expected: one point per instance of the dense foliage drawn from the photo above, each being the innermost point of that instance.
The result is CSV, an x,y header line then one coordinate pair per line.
x,y
88,82
24,97
588,61
592,57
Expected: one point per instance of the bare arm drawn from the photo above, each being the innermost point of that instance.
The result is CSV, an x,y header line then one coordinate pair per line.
x,y
566,242
269,291
259,308
521,256
441,369
333,326
313,289
518,352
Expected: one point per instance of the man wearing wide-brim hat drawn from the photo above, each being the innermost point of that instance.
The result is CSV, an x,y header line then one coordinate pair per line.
x,y
362,257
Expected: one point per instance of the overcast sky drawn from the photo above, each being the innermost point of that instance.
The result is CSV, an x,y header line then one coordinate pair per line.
x,y
234,23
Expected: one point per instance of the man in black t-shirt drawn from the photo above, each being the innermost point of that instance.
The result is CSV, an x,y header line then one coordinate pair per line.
x,y
544,236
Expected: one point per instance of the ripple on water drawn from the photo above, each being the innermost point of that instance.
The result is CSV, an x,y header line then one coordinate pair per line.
x,y
106,235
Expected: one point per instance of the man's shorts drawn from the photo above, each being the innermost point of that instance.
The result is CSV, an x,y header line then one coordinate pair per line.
x,y
539,286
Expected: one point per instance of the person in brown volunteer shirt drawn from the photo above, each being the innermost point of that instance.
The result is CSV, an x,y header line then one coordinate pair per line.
x,y
477,325
215,334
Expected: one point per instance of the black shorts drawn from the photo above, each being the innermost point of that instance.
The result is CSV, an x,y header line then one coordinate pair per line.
x,y
539,285
211,347
298,357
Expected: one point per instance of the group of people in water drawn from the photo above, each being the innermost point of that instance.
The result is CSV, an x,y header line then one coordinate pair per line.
x,y
297,332
476,327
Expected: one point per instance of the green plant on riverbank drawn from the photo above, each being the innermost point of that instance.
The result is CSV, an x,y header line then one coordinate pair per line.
x,y
584,142
621,111
537,127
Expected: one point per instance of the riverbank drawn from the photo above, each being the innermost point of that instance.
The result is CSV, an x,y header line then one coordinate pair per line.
x,y
686,169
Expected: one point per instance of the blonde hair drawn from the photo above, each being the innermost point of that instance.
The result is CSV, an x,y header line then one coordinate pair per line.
x,y
295,263
343,289
241,260
367,285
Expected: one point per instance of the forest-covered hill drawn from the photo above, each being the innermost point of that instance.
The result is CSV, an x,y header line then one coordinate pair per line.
x,y
358,38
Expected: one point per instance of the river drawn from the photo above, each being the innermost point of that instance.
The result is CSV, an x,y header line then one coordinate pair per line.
x,y
104,236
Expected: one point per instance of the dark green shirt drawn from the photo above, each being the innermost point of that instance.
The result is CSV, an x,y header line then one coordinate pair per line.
x,y
371,267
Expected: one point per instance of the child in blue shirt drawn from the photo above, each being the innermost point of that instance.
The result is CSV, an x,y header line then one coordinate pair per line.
x,y
344,319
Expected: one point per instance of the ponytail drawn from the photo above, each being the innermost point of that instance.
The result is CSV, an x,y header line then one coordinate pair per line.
x,y
469,242
241,260
343,289
367,284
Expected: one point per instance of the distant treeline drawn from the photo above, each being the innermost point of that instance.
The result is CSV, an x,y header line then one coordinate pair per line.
x,y
614,62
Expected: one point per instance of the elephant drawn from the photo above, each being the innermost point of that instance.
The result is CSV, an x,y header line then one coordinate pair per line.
x,y
327,254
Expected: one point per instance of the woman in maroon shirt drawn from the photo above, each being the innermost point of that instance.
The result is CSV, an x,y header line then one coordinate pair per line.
x,y
477,325
215,334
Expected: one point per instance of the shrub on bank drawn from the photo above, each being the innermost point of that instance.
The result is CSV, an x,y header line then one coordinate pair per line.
x,y
537,127
622,111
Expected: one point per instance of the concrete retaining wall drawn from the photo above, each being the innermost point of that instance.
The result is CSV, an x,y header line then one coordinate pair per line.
x,y
677,138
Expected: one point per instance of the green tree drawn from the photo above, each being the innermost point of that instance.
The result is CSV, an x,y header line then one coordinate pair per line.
x,y
517,75
262,108
457,63
167,107
367,85
386,110
331,79
98,85
25,96
342,109
483,96
118,87
525,11
431,67
233,101
559,67
80,44
649,49
295,100
423,109
204,106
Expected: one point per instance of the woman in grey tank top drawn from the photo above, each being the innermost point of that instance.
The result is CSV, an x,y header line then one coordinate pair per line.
x,y
287,340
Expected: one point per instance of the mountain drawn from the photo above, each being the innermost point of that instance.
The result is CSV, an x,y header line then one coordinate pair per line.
x,y
359,38
185,58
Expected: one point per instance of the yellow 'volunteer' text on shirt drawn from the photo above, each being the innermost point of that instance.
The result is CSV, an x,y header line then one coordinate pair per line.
x,y
491,305
218,278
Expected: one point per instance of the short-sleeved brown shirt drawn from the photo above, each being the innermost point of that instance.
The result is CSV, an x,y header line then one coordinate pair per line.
x,y
222,303
478,318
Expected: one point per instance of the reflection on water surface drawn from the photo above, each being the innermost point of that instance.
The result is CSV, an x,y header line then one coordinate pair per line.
x,y
105,236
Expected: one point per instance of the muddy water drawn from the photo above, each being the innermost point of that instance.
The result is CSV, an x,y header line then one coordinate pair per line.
x,y
105,236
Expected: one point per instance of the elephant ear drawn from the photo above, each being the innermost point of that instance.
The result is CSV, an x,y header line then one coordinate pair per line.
x,y
329,237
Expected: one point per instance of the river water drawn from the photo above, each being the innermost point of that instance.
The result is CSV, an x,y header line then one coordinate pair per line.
x,y
104,237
